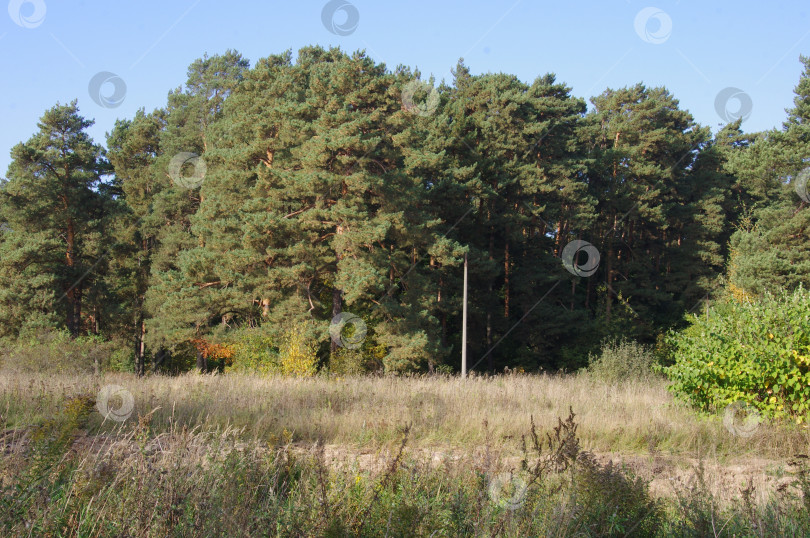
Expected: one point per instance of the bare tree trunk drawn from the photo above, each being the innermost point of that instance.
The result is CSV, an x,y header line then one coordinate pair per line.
x,y
337,294
74,306
443,315
202,362
77,309
490,364
337,308
573,292
140,348
159,358
506,266
609,268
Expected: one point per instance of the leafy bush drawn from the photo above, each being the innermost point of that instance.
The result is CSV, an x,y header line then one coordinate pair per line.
x,y
622,360
344,361
56,352
757,352
255,350
298,354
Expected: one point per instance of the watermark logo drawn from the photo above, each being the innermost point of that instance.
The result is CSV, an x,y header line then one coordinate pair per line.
x,y
426,407
741,419
340,17
180,165
27,13
114,402
103,80
653,25
426,107
724,98
800,184
570,255
355,339
508,490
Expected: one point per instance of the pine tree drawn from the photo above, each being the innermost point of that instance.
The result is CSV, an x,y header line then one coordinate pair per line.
x,y
175,318
52,207
133,147
644,148
770,251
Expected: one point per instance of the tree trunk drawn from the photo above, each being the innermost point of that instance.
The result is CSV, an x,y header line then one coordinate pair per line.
x,y
140,348
337,294
202,362
609,271
77,309
490,364
74,308
443,314
159,358
506,263
96,322
337,308
573,292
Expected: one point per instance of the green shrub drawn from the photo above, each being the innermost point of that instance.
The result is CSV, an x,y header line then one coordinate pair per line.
x,y
344,361
254,351
622,360
57,352
757,352
257,350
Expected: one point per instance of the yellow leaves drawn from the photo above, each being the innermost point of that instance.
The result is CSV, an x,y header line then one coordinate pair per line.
x,y
770,335
801,359
738,294
298,355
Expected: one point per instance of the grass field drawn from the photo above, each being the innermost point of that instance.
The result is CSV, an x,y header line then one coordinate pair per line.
x,y
353,439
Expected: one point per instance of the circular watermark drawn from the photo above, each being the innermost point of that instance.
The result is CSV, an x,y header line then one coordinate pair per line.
x,y
800,184
103,80
34,16
427,407
339,322
114,402
426,107
653,25
180,163
331,19
570,254
724,98
741,419
508,490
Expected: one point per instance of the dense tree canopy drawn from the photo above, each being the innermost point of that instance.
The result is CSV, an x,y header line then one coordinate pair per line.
x,y
292,192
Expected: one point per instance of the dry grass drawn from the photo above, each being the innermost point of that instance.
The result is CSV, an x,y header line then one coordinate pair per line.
x,y
368,412
307,454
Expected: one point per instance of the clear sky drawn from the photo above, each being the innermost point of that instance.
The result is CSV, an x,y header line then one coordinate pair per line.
x,y
51,50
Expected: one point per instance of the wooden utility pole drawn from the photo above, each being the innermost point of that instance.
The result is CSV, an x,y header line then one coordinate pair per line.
x,y
464,325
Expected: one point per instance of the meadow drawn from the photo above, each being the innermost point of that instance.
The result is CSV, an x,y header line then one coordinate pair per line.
x,y
386,456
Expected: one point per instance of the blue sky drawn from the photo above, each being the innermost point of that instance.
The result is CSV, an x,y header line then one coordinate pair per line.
x,y
50,50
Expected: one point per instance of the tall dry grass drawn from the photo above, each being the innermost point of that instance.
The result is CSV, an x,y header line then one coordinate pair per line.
x,y
147,478
368,412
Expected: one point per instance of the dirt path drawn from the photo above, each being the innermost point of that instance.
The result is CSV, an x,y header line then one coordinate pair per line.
x,y
666,474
